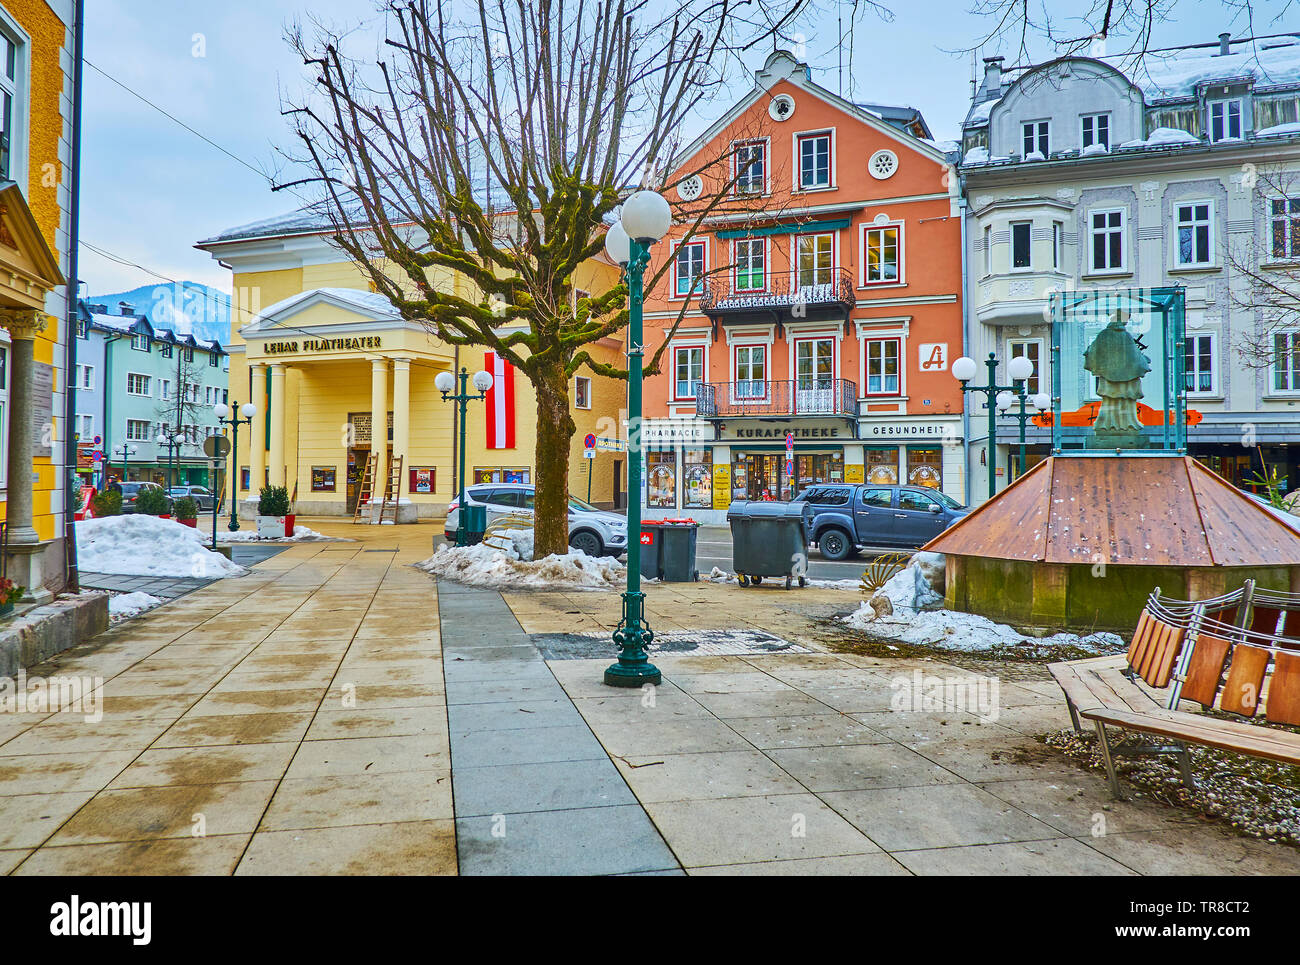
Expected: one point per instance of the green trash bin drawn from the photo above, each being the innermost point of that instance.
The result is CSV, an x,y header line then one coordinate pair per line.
x,y
770,539
474,518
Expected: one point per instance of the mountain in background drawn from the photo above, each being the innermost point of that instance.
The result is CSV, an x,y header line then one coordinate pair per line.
x,y
187,308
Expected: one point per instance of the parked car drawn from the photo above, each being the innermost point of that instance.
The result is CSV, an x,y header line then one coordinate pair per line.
x,y
596,532
200,494
849,516
131,490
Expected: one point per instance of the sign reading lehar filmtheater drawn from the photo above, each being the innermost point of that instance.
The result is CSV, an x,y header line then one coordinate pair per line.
x,y
362,343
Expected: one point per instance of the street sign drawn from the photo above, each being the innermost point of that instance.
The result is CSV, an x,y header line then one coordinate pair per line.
x,y
610,445
216,446
589,454
590,441
99,441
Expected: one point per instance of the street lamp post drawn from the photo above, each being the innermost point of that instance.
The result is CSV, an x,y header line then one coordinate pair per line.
x,y
1020,368
126,452
167,436
445,382
232,415
1041,402
646,217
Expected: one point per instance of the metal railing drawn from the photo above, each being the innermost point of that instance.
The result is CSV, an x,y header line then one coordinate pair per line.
x,y
758,399
779,292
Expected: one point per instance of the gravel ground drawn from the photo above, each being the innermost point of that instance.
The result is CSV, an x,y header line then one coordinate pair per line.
x,y
1255,797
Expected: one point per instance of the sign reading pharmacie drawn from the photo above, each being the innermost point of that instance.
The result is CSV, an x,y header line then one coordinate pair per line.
x,y
361,343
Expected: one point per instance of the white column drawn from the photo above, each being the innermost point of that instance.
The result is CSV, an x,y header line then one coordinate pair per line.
x,y
277,454
401,408
256,431
25,548
379,418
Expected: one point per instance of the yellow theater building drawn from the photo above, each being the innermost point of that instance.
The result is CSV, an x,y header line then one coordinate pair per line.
x,y
36,95
338,379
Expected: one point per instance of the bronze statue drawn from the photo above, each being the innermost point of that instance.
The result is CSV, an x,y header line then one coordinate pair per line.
x,y
1119,365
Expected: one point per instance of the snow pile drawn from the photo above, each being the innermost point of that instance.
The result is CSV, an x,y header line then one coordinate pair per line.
x,y
141,545
1279,129
301,534
487,566
1164,137
1035,156
1094,148
124,605
976,155
970,632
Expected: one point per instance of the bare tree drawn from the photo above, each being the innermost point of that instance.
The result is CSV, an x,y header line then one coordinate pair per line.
x,y
182,410
1266,264
470,169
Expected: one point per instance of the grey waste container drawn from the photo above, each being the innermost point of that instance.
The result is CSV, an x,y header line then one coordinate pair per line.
x,y
769,539
668,550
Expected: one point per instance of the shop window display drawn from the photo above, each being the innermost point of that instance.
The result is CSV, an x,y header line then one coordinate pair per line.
x,y
661,479
882,466
697,478
925,467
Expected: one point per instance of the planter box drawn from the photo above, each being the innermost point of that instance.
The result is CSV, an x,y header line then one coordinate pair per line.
x,y
191,523
275,527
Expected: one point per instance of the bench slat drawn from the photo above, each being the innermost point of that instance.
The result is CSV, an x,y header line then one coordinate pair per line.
x,y
1205,669
1181,726
1128,695
1283,705
1241,691
1162,660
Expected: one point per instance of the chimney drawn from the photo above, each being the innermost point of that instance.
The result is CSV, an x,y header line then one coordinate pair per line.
x,y
125,308
1224,47
992,77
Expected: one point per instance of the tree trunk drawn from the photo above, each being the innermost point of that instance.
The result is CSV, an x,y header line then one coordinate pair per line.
x,y
555,428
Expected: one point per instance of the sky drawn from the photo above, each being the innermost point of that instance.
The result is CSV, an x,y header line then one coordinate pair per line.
x,y
151,188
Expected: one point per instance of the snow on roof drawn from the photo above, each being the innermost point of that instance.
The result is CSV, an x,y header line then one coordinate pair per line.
x,y
979,114
1177,73
304,220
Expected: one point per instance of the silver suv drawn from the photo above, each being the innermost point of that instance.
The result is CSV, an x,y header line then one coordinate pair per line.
x,y
597,532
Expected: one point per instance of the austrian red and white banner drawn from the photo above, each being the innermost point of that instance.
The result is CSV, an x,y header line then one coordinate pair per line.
x,y
500,402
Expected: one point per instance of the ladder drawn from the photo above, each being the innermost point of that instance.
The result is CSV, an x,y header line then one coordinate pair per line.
x,y
392,491
366,488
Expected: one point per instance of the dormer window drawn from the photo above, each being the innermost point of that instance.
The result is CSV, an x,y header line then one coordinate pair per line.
x,y
140,342
1035,136
1225,120
1095,129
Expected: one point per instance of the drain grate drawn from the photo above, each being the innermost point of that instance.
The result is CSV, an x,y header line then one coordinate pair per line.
x,y
719,643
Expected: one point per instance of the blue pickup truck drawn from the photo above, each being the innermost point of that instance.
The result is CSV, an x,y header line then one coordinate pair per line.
x,y
848,516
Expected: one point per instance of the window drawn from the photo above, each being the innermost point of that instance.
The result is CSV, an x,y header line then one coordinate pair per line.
x,y
1096,130
137,384
83,329
166,350
828,496
751,371
1285,223
1286,362
925,467
1021,237
882,254
1198,363
880,498
688,366
140,342
137,430
189,354
10,109
661,479
814,370
164,388
1034,135
815,161
882,467
84,426
1194,234
689,268
918,502
751,264
988,250
751,168
1058,238
1107,240
1225,120
1032,350
816,255
582,392
213,360
882,366
697,478
85,377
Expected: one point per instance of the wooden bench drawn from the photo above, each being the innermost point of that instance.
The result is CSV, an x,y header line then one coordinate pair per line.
x,y
1228,654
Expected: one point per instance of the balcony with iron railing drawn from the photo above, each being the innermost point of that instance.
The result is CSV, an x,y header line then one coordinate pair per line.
x,y
835,398
827,289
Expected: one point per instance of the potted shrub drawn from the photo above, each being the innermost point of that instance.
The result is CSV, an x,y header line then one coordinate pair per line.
x,y
186,511
151,501
108,503
275,518
10,593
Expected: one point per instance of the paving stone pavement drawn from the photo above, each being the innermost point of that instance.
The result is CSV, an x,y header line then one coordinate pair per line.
x,y
535,792
172,587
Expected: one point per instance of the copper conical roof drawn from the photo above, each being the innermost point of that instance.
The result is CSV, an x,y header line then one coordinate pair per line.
x,y
1136,510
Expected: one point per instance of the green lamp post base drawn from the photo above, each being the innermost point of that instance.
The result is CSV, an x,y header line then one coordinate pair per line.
x,y
633,668
632,673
